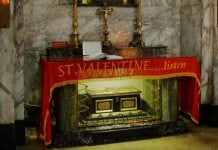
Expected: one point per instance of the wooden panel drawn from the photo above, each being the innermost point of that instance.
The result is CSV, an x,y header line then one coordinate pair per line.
x,y
4,13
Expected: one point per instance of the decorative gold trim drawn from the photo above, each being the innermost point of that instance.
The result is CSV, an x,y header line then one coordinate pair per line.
x,y
75,34
128,100
139,28
98,104
137,37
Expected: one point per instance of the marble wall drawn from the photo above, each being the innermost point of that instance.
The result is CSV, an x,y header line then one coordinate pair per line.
x,y
7,97
215,72
208,39
215,58
187,27
191,28
19,60
199,38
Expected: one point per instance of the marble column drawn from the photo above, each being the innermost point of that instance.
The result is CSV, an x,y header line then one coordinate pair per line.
x,y
208,59
19,61
215,54
19,72
208,39
6,77
7,119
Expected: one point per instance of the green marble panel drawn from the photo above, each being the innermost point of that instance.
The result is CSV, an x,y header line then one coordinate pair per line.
x,y
66,108
169,99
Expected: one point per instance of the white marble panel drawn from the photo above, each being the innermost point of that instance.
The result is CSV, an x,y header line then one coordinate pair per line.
x,y
7,54
6,77
208,31
191,21
215,65
19,88
161,25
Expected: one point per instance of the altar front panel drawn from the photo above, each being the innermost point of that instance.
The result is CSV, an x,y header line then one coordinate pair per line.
x,y
57,73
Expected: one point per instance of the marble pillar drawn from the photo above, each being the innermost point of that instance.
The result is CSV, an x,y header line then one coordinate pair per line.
x,y
19,61
208,39
215,60
199,38
7,75
7,98
209,59
19,72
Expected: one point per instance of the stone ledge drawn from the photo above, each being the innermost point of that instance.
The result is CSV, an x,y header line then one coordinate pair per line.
x,y
78,138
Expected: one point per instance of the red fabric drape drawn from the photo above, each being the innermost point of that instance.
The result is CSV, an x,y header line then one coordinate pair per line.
x,y
57,73
189,95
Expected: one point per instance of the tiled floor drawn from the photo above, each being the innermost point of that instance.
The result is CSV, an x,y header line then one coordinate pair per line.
x,y
198,138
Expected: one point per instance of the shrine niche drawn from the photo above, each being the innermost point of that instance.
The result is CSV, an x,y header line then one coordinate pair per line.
x,y
103,101
4,13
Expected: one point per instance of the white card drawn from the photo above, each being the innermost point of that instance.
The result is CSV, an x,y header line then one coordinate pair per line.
x,y
92,47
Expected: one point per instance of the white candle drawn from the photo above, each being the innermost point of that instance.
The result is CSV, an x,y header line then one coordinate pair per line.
x,y
139,11
84,1
125,2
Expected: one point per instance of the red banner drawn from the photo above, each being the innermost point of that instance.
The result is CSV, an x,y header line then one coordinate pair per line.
x,y
59,73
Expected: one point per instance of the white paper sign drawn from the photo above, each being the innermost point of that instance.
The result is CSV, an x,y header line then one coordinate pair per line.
x,y
92,47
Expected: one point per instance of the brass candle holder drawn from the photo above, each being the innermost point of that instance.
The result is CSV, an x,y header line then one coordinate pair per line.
x,y
137,37
75,34
104,12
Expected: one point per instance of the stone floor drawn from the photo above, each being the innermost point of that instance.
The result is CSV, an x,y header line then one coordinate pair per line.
x,y
197,138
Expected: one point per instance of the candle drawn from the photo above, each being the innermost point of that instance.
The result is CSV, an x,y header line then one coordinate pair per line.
x,y
125,2
139,13
4,2
84,1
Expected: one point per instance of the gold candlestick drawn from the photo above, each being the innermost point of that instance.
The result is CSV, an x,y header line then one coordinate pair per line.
x,y
137,37
139,28
75,34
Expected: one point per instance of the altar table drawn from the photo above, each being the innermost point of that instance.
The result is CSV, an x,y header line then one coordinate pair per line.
x,y
59,72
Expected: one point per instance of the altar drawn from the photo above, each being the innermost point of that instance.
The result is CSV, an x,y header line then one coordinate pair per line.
x,y
110,111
